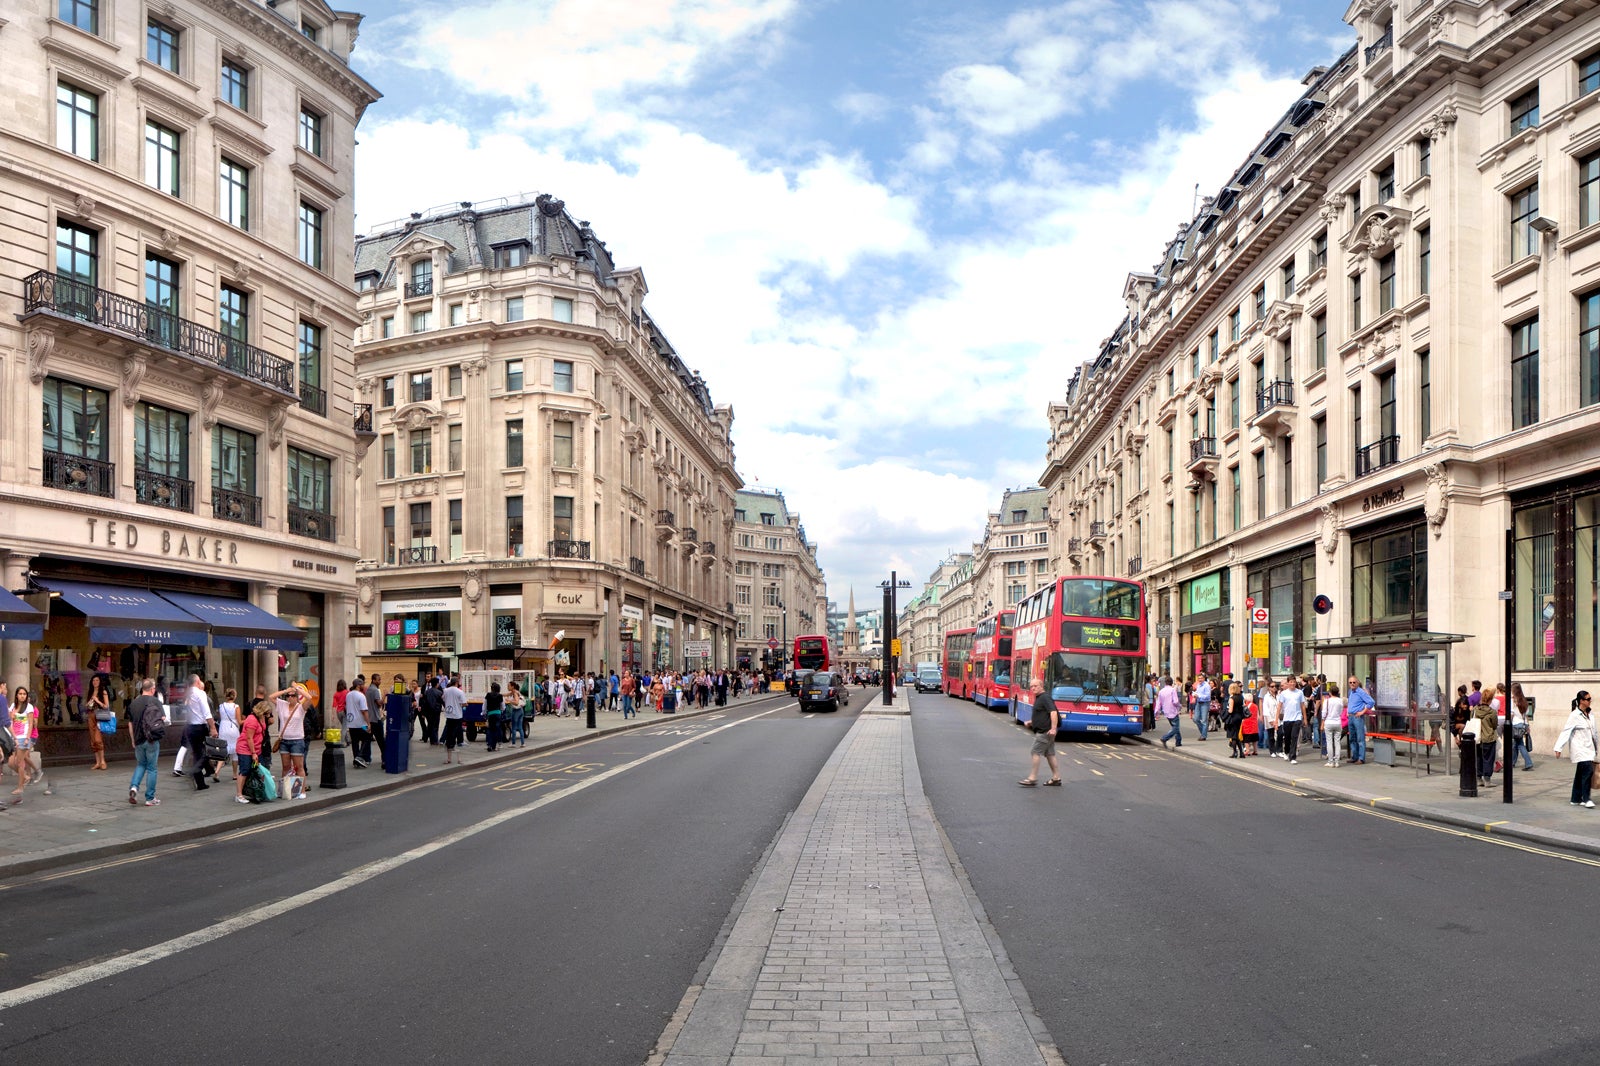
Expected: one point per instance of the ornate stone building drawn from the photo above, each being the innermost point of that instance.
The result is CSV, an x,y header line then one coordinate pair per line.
x,y
175,323
779,589
547,463
1372,353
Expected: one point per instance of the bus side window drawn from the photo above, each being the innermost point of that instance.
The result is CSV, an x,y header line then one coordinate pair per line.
x,y
1021,673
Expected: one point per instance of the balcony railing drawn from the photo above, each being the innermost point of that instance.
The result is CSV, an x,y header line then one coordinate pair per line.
x,y
417,555
1135,565
689,535
1202,448
636,566
364,418
666,518
569,549
231,506
163,490
313,399
93,477
1381,45
1075,546
44,291
708,547
1275,394
420,287
307,523
1097,531
1385,451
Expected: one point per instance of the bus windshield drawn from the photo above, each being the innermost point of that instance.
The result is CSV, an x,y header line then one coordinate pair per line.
x,y
1001,669
1086,676
1097,598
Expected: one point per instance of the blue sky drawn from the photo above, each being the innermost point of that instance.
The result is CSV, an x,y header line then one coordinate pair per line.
x,y
885,231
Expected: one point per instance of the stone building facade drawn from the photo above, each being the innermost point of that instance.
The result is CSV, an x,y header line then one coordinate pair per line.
x,y
779,589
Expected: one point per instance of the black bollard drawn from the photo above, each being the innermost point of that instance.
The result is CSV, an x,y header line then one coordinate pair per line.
x,y
1469,766
588,718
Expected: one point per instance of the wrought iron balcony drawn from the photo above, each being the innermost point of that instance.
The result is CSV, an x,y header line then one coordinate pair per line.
x,y
44,291
636,566
313,399
420,287
666,518
364,419
1203,457
708,547
231,506
1097,531
1385,451
163,490
93,477
1135,565
1274,407
1075,546
308,523
569,549
417,555
689,535
1381,45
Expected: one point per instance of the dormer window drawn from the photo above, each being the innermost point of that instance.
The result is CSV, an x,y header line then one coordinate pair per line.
x,y
367,281
510,255
311,31
421,283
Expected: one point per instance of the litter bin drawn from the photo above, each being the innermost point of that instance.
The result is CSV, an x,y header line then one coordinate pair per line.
x,y
1469,766
397,733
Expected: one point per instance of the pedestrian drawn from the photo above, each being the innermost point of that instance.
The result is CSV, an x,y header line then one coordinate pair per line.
x,y
626,687
228,726
341,697
1520,729
147,724
1361,710
25,731
1269,715
198,725
1169,706
1233,720
375,709
355,724
1291,709
1488,725
1460,711
430,705
615,684
1202,705
1334,717
1580,739
1045,722
97,709
290,707
455,709
1250,729
252,738
493,708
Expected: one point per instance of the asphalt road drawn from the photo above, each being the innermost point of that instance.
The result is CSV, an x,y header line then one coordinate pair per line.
x,y
564,934
1164,912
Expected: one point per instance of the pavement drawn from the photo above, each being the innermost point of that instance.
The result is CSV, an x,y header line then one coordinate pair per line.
x,y
86,816
1540,812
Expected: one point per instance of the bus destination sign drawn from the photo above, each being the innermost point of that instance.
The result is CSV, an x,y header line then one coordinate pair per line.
x,y
1099,637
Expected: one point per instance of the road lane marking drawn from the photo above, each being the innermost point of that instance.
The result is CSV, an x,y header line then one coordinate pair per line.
x,y
88,973
1504,842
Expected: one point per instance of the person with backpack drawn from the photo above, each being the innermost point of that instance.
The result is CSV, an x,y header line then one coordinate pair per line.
x,y
1045,723
252,733
147,725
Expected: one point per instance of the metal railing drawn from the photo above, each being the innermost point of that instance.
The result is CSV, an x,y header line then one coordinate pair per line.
x,y
44,291
1275,394
1097,531
424,287
1075,546
163,490
1202,448
708,547
636,566
666,518
1385,451
1135,565
232,506
364,418
313,399
417,555
569,549
94,477
689,535
1381,45
307,523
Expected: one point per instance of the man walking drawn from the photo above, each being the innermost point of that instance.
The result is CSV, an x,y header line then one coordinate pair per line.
x,y
1292,709
430,705
1168,706
355,724
1046,721
1202,704
1361,710
198,725
147,724
375,714
455,709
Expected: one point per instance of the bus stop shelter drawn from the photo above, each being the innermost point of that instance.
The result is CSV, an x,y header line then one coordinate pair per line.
x,y
1408,676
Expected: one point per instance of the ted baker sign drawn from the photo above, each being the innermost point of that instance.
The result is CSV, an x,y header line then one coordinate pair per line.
x,y
111,533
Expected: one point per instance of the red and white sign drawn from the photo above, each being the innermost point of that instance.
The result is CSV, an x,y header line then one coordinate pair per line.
x,y
772,643
1249,601
1258,616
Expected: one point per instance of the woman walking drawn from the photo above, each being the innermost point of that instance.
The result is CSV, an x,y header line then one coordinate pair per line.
x,y
1519,725
25,728
1233,720
1578,736
1333,721
228,728
493,708
98,704
1488,724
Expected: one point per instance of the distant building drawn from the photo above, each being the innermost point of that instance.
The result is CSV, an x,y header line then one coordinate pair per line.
x,y
779,590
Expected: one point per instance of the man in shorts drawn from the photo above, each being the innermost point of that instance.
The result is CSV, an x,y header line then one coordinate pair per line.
x,y
1046,721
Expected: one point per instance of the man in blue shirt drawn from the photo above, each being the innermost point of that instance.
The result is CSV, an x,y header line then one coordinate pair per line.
x,y
1202,704
1361,710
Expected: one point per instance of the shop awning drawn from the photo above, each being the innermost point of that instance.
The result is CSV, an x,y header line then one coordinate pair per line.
x,y
18,621
239,623
1378,642
118,615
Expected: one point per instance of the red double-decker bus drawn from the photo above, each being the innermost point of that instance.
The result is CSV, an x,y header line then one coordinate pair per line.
x,y
991,661
811,652
1085,636
958,663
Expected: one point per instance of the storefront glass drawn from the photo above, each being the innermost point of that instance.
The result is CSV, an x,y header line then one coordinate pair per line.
x,y
303,610
1204,626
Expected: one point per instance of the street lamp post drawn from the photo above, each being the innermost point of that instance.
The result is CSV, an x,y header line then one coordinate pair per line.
x,y
891,628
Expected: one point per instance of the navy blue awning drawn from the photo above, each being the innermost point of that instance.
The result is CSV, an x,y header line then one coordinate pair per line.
x,y
240,623
18,621
118,615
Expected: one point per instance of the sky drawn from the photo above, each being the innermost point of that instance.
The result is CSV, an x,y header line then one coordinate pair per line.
x,y
885,231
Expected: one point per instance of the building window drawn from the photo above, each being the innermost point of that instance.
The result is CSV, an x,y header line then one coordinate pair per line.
x,y
233,462
776,543
1236,497
233,314
234,193
453,435
1354,197
388,536
421,321
161,294
235,84
453,381
741,595
514,441
1589,74
1386,287
1424,157
1319,251
1319,346
161,158
1261,485
1424,260
1233,404
386,391
422,451
1320,425
456,541
1287,487
511,255
366,281
1233,324
421,525
1589,349
309,345
1260,302
1589,190
77,121
1194,365
310,31
311,131
421,387
513,375
563,376
1524,209
1525,373
1286,279
1355,415
561,516
310,233
75,419
1388,422
84,14
1557,591
1216,347
387,445
1386,184
513,309
386,326
1425,395
161,45
561,443
1389,579
161,448
310,482
514,526
561,309
1525,110
1355,301
458,314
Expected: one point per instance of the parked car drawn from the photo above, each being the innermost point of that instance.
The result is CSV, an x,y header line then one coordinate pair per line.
x,y
823,691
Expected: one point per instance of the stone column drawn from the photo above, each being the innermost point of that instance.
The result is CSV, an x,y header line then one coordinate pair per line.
x,y
266,662
14,653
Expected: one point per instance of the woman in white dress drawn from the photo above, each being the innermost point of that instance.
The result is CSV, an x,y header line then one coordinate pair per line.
x,y
229,729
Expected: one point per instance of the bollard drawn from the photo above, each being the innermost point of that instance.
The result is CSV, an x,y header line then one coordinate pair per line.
x,y
588,717
333,766
1469,766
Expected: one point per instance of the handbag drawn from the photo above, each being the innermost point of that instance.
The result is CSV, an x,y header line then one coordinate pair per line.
x,y
8,742
108,725
216,749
